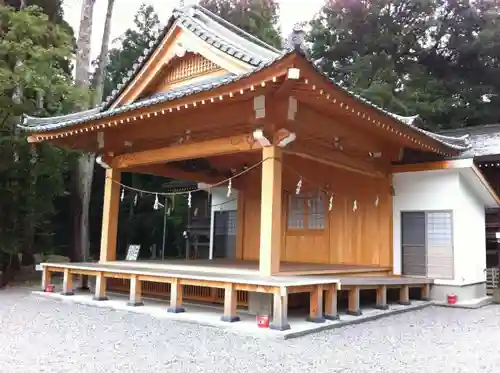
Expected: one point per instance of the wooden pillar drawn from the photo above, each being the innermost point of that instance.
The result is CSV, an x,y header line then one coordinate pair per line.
x,y
280,311
110,215
46,278
100,287
426,292
230,304
67,283
382,298
404,295
176,295
135,292
270,212
331,310
316,305
353,308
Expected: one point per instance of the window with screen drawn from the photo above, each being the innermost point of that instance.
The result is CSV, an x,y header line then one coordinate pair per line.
x,y
306,212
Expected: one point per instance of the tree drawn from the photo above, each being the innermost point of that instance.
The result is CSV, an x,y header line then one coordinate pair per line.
x,y
426,56
132,45
31,176
83,176
259,18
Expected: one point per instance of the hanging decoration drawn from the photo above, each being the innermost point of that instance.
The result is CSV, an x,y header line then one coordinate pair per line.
x,y
330,203
189,200
299,186
377,201
355,206
195,212
136,198
169,211
122,196
229,186
156,205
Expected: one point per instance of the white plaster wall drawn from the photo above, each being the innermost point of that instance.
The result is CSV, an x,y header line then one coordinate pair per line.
x,y
424,191
470,231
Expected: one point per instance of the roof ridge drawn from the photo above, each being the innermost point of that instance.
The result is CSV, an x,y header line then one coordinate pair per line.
x,y
235,29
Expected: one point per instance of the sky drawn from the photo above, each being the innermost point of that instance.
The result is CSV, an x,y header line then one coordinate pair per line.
x,y
291,12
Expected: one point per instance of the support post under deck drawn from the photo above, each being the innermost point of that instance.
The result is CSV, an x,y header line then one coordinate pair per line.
x,y
316,305
67,283
280,312
331,309
135,292
100,287
382,298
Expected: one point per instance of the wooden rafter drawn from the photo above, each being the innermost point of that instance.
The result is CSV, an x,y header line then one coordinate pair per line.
x,y
192,150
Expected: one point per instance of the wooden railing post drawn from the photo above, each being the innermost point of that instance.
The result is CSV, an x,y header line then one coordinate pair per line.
x,y
353,300
316,305
110,215
67,282
382,298
100,287
135,292
176,295
270,212
230,304
331,310
280,311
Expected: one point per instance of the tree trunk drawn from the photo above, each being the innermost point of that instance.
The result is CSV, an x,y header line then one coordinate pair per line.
x,y
85,168
103,57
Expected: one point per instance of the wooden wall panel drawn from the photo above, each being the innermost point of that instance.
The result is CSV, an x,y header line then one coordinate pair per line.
x,y
361,237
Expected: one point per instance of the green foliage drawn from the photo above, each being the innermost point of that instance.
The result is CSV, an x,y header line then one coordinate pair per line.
x,y
34,55
437,58
259,18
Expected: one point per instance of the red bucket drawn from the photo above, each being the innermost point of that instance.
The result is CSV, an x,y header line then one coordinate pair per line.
x,y
452,299
263,321
50,288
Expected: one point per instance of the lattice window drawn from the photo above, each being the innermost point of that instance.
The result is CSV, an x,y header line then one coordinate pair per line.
x,y
190,66
306,212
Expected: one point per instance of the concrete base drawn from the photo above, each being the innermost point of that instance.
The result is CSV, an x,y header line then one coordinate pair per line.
x,y
317,320
260,304
469,304
279,327
176,309
354,313
100,299
68,293
135,304
230,318
405,303
463,293
385,307
332,317
208,315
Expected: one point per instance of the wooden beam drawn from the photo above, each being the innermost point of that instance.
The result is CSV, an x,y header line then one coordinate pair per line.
x,y
334,159
100,287
353,302
67,282
270,211
135,292
230,302
382,298
280,311
431,166
110,215
176,295
228,145
166,170
316,305
331,309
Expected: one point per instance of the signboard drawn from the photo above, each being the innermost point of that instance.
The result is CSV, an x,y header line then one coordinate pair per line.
x,y
133,252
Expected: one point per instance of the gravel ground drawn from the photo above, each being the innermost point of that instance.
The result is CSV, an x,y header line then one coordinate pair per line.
x,y
42,335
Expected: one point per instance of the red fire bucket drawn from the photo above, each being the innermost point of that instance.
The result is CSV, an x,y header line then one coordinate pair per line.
x,y
263,321
50,288
452,299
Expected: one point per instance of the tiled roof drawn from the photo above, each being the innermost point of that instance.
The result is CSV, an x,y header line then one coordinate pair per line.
x,y
484,140
228,39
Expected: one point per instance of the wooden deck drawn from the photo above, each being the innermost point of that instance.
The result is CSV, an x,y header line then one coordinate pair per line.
x,y
252,267
232,285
